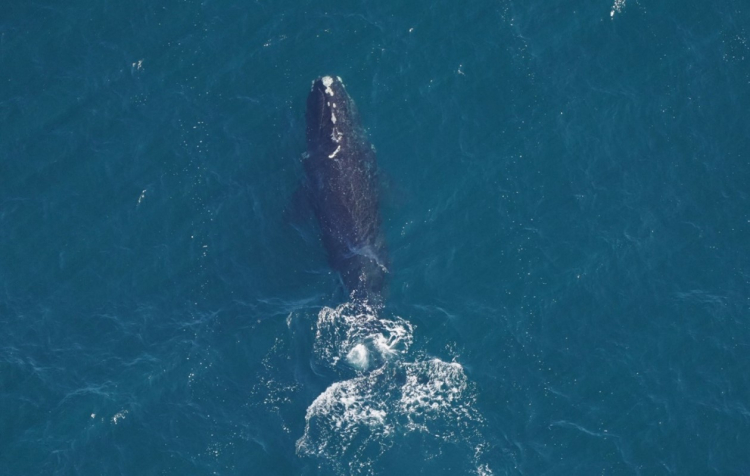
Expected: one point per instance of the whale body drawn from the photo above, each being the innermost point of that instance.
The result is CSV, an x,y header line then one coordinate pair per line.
x,y
342,185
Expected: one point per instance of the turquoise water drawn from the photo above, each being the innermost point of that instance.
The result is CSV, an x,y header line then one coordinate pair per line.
x,y
565,201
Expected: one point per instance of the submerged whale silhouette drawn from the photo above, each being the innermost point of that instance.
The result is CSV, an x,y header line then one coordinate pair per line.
x,y
342,186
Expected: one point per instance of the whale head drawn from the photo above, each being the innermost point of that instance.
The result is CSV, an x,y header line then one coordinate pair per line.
x,y
329,111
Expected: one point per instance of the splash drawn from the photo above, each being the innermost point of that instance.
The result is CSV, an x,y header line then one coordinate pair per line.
x,y
356,423
617,7
353,334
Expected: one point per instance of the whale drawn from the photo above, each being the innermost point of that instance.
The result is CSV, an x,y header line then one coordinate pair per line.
x,y
342,187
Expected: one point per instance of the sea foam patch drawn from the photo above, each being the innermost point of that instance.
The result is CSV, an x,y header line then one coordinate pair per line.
x,y
354,334
358,420
386,398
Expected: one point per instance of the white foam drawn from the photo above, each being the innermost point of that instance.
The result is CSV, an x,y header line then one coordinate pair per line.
x,y
359,357
339,414
617,7
342,329
354,422
119,416
361,416
433,389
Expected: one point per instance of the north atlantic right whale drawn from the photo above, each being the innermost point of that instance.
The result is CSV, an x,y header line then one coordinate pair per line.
x,y
342,185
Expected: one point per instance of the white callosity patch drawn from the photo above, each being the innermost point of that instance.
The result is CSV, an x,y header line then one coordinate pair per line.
x,y
336,135
333,115
335,152
327,82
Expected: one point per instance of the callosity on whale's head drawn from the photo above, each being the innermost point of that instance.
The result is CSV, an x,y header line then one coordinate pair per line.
x,y
330,111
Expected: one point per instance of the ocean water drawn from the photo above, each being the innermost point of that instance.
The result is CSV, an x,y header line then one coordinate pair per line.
x,y
565,200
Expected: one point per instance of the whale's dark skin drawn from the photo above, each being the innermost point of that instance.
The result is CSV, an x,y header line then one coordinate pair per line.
x,y
342,186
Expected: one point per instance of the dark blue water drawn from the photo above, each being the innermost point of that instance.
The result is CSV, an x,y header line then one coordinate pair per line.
x,y
565,201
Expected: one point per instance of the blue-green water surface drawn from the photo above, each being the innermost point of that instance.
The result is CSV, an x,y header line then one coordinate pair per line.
x,y
565,201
